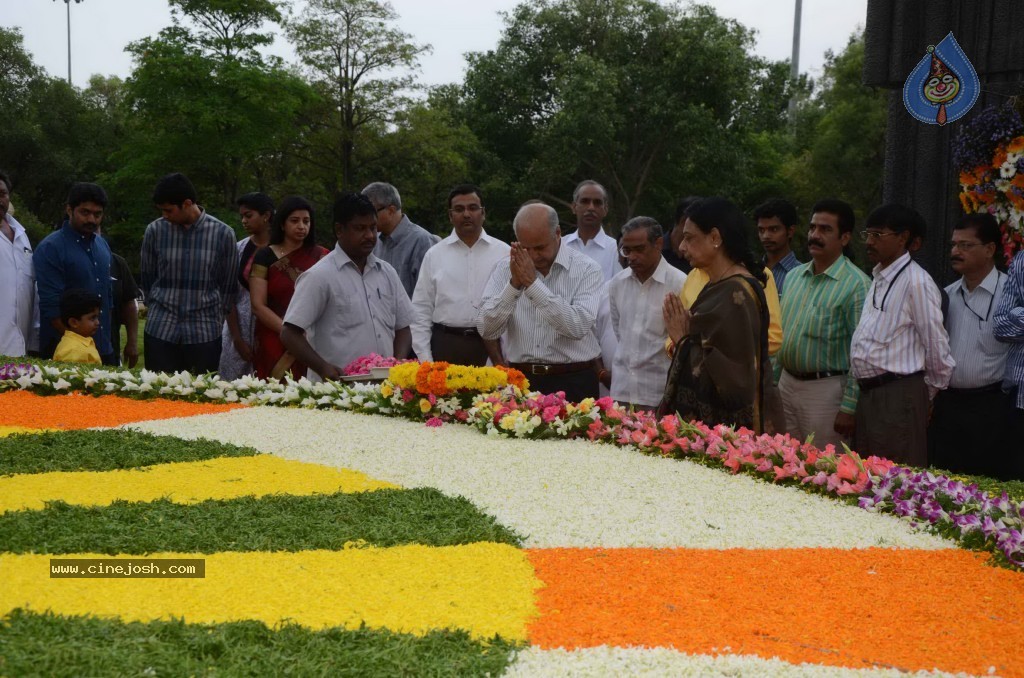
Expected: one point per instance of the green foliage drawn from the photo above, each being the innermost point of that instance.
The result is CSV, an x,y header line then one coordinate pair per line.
x,y
51,136
649,99
840,136
34,644
104,451
270,523
351,53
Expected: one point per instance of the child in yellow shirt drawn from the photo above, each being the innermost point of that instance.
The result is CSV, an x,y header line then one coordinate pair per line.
x,y
80,313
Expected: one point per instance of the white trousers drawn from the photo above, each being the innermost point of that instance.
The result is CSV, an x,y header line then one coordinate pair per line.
x,y
811,407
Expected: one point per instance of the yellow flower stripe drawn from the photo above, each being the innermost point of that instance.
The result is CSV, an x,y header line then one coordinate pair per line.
x,y
11,430
182,482
483,588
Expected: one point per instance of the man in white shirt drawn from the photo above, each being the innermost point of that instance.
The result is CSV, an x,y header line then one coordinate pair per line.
x,y
636,296
899,353
590,205
350,303
545,297
969,423
451,284
19,317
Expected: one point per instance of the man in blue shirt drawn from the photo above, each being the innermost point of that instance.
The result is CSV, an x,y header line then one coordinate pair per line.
x,y
1008,327
75,257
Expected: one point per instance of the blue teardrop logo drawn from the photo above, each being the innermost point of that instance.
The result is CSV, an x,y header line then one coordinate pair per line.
x,y
943,86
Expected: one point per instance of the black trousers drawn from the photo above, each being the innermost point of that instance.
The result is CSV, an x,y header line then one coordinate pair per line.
x,y
457,349
577,385
968,433
164,356
892,421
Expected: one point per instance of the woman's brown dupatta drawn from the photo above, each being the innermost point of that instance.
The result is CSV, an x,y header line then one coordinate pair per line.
x,y
719,370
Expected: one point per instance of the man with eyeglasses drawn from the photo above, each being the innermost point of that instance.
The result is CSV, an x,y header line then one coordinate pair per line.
x,y
451,286
1008,320
900,351
966,434
19,315
401,243
636,296
590,205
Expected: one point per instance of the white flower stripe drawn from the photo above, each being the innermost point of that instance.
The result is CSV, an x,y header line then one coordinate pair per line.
x,y
561,493
599,662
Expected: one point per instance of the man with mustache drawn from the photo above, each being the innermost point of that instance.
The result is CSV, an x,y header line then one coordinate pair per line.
x,y
75,257
350,303
590,205
636,298
776,225
900,351
969,420
19,318
820,311
451,284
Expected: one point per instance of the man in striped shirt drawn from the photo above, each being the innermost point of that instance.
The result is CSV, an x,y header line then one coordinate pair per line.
x,y
820,311
900,351
188,273
545,296
1009,328
967,431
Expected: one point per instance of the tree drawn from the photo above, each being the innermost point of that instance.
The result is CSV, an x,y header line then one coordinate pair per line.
x,y
840,136
362,68
205,101
52,135
651,100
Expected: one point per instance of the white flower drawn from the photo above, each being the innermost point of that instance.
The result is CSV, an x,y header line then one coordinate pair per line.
x,y
1007,170
213,394
596,496
61,384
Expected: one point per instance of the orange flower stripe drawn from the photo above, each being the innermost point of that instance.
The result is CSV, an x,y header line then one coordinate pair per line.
x,y
907,609
76,411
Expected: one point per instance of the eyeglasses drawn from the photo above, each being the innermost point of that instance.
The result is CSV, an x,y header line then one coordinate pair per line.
x,y
868,236
964,246
462,209
626,250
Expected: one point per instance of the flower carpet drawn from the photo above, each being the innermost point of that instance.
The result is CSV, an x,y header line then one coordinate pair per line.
x,y
347,542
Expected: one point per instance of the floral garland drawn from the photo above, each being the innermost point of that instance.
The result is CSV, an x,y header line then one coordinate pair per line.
x,y
948,506
990,155
441,378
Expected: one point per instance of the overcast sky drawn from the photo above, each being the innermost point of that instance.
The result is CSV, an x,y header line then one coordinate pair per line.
x,y
100,29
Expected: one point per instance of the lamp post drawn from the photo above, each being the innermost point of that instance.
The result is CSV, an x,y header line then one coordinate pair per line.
x,y
794,62
68,4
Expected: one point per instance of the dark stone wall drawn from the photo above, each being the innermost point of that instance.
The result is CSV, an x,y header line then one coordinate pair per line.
x,y
918,157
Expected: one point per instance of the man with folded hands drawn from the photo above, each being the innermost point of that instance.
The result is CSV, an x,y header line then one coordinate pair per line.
x,y
451,285
545,297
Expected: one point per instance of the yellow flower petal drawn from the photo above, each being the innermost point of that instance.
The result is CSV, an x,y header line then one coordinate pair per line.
x,y
182,482
484,588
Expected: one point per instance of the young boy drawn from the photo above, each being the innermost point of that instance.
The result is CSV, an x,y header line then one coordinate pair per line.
x,y
80,313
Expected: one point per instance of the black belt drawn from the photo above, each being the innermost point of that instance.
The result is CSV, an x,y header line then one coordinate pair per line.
x,y
991,388
883,379
461,331
810,376
537,369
